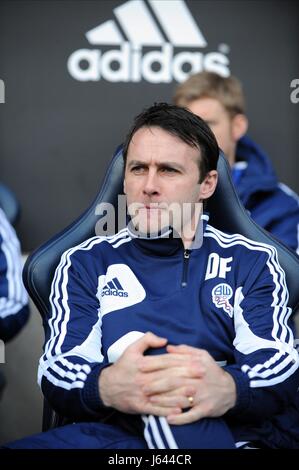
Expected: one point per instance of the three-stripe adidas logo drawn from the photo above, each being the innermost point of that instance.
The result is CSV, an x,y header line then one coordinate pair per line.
x,y
139,24
114,288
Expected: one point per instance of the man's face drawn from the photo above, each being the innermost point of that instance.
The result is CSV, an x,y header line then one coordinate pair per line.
x,y
161,170
220,122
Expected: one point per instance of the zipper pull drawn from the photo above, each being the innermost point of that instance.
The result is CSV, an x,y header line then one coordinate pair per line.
x,y
185,267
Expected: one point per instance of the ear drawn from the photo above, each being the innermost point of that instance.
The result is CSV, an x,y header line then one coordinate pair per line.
x,y
124,187
239,126
208,186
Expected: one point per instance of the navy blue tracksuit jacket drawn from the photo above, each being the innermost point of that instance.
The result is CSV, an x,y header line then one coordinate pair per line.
x,y
229,297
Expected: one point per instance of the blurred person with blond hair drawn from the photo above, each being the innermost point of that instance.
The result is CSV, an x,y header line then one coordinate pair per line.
x,y
220,102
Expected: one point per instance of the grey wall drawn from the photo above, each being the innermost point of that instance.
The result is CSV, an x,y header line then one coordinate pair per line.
x,y
57,133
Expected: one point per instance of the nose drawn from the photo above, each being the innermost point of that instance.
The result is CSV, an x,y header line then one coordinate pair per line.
x,y
151,184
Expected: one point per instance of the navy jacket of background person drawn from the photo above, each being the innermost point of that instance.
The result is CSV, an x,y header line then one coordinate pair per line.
x,y
272,205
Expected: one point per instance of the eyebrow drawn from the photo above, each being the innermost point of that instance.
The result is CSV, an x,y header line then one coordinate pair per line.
x,y
160,165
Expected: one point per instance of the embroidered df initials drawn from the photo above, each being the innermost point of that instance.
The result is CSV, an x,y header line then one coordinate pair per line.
x,y
217,267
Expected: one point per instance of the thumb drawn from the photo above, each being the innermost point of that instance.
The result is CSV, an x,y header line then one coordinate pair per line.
x,y
148,340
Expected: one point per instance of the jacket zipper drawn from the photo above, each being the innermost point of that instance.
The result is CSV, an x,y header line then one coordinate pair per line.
x,y
185,267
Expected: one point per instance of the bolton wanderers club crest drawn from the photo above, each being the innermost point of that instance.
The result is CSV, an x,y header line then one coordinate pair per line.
x,y
221,294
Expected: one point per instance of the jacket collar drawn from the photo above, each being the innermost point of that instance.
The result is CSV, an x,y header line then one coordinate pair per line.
x,y
167,242
253,171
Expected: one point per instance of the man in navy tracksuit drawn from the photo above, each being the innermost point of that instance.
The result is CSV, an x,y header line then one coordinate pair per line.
x,y
169,334
220,102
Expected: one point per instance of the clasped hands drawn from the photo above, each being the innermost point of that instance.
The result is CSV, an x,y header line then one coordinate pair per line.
x,y
185,384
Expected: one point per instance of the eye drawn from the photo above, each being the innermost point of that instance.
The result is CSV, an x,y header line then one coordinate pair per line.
x,y
211,123
138,169
168,169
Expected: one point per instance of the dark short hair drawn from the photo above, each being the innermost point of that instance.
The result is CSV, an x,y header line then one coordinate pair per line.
x,y
183,124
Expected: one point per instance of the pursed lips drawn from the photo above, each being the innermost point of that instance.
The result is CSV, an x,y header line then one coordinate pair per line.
x,y
152,208
149,208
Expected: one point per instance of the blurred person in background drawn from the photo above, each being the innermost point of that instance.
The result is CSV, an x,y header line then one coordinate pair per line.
x,y
220,102
14,310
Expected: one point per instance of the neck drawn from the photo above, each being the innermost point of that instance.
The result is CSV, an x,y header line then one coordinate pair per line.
x,y
189,229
